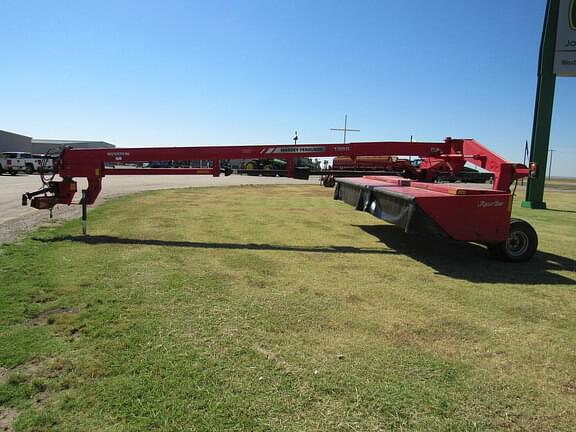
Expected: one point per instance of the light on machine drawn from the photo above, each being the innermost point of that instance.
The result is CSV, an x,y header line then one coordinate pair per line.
x,y
533,170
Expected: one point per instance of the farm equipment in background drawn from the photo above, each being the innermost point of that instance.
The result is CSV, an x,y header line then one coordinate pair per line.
x,y
272,167
475,214
264,167
427,170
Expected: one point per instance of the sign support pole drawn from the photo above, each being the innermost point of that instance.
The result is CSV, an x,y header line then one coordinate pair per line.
x,y
543,109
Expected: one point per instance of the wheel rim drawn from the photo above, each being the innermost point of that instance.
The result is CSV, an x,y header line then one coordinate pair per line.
x,y
517,243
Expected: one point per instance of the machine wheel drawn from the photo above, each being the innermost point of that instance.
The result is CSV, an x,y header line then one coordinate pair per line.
x,y
269,167
249,167
520,246
329,181
12,172
29,169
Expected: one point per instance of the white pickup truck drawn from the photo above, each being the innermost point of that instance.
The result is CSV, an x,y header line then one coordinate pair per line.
x,y
15,162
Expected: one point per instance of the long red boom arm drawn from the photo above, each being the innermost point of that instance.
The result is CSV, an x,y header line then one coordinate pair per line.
x,y
92,164
77,162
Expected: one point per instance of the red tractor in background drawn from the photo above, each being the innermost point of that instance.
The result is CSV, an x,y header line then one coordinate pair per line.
x,y
427,170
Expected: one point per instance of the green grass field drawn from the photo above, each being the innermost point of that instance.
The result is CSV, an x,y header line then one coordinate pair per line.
x,y
262,308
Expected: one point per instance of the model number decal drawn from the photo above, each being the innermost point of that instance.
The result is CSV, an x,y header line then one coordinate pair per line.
x,y
490,204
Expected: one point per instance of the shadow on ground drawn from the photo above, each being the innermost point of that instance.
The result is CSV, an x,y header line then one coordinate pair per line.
x,y
469,261
561,211
205,245
458,260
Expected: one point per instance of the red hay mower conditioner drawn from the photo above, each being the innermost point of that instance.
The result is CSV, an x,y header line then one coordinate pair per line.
x,y
461,212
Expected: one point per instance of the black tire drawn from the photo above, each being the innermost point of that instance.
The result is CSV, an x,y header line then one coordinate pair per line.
x,y
329,181
251,166
520,246
269,167
12,173
29,169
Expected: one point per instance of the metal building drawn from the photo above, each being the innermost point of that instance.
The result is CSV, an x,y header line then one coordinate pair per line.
x,y
12,142
44,145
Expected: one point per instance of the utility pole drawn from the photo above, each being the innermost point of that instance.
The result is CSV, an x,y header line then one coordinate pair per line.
x,y
295,139
345,128
550,165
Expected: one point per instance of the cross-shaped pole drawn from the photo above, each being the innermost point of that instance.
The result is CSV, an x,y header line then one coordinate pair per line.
x,y
345,128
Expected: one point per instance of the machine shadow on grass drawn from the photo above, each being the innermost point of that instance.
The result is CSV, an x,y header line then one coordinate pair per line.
x,y
469,261
205,245
561,211
459,260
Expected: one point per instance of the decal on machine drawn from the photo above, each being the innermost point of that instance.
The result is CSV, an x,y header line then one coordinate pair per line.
x,y
118,155
484,204
292,150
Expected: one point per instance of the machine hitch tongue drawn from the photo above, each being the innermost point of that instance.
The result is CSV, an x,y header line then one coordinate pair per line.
x,y
29,195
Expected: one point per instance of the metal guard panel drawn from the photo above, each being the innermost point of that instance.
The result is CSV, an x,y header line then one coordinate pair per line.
x,y
404,211
387,204
393,207
352,194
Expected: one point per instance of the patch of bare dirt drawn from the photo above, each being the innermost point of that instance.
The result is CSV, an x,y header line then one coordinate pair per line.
x,y
46,316
7,417
4,373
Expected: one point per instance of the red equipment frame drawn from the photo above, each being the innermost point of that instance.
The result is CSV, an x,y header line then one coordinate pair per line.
x,y
459,212
91,163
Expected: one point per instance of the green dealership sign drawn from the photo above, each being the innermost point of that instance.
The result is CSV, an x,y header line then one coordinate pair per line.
x,y
565,56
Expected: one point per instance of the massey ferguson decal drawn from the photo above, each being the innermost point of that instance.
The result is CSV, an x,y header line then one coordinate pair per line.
x,y
293,149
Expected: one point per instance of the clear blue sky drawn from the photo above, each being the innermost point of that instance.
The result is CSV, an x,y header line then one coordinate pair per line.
x,y
174,73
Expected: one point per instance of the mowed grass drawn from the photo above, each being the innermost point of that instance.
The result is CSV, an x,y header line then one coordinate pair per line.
x,y
263,308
